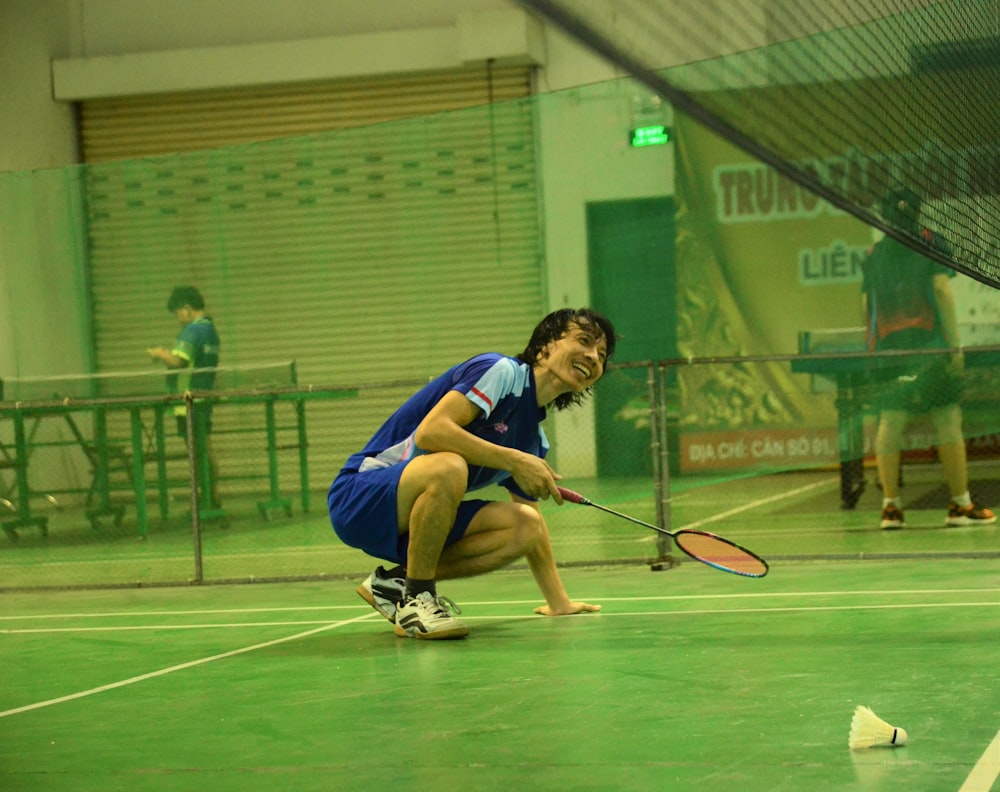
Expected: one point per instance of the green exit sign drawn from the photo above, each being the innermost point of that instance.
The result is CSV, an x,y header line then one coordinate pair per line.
x,y
650,136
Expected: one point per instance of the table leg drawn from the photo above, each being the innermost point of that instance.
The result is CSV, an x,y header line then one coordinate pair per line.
x,y
139,474
276,501
24,516
850,439
300,420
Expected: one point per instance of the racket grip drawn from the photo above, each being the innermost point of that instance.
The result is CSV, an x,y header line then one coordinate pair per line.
x,y
571,496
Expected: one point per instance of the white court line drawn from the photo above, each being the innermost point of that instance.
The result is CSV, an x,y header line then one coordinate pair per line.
x,y
512,617
141,627
488,603
114,614
764,595
806,609
761,502
645,598
986,771
181,667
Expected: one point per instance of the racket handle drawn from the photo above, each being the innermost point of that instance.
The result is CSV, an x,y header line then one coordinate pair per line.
x,y
572,497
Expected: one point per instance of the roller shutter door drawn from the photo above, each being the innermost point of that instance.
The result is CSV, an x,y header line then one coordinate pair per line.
x,y
372,230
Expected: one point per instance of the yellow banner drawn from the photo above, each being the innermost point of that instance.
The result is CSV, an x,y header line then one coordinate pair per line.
x,y
759,261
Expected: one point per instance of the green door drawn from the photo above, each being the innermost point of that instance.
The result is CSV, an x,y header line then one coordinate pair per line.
x,y
630,251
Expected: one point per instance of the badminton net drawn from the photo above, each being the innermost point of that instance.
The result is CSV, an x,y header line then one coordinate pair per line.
x,y
850,100
151,381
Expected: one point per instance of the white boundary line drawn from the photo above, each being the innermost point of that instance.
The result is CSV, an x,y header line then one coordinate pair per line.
x,y
761,502
115,614
508,617
986,771
144,627
806,609
770,594
646,598
181,667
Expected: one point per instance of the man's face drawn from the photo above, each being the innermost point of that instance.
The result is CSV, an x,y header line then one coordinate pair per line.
x,y
909,211
578,357
185,315
903,209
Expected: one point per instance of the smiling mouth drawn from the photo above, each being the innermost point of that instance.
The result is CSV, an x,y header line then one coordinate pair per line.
x,y
586,372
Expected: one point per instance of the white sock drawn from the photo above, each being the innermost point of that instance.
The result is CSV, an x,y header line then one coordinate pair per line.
x,y
964,500
893,502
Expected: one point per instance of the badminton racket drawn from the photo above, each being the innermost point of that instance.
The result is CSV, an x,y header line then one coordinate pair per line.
x,y
716,551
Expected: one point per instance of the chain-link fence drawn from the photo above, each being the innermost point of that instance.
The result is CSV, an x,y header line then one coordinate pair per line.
x,y
680,443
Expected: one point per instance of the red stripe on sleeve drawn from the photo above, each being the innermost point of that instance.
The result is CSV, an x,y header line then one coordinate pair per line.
x,y
483,396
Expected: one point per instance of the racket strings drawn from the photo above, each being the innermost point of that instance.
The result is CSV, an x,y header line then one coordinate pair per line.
x,y
720,553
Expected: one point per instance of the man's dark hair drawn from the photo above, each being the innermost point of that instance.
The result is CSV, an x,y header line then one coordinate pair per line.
x,y
185,295
555,326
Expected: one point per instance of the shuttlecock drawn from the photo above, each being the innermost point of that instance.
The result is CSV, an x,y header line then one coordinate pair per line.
x,y
868,730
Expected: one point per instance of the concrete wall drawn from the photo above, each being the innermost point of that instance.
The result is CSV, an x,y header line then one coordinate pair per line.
x,y
37,132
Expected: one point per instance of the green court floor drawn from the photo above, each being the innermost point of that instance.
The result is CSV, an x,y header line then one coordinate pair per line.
x,y
689,679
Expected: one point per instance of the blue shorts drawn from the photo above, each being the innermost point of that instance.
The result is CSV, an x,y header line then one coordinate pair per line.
x,y
362,510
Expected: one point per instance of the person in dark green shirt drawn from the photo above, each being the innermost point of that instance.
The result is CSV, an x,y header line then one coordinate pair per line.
x,y
908,305
194,358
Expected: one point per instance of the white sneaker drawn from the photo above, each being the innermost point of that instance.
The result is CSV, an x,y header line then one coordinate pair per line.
x,y
385,594
426,616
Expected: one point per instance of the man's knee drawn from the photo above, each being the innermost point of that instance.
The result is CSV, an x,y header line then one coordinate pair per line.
x,y
948,424
519,524
443,473
888,438
527,528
